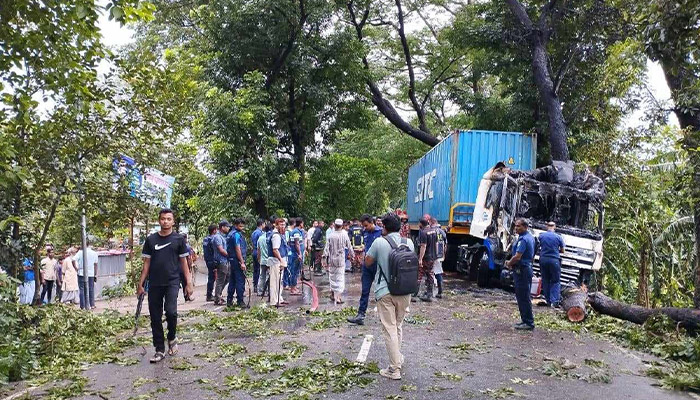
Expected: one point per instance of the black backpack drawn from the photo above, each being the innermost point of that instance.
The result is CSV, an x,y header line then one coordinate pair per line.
x,y
403,269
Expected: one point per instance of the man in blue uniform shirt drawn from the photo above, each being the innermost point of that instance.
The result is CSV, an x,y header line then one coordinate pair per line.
x,y
236,248
551,245
521,264
370,233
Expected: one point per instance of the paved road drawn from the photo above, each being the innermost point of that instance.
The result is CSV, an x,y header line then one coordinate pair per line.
x,y
497,361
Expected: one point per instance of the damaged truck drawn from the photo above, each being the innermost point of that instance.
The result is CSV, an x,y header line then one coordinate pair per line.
x,y
477,183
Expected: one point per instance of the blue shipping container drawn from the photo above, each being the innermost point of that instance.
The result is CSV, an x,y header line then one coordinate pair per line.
x,y
450,172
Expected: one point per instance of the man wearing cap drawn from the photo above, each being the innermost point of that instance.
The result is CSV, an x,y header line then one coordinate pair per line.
x,y
334,255
521,265
551,246
218,242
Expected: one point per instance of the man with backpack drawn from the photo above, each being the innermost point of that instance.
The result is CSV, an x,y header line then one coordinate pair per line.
x,y
318,243
355,234
208,251
395,280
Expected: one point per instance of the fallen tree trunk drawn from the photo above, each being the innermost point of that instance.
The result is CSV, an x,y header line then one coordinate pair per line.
x,y
573,301
688,318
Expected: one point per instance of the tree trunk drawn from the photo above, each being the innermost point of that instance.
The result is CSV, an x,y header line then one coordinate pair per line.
x,y
538,36
680,79
643,286
297,140
39,245
689,318
573,301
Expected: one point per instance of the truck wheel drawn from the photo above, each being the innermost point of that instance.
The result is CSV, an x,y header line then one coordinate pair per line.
x,y
484,274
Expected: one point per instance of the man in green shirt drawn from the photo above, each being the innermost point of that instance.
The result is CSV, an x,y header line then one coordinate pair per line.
x,y
391,309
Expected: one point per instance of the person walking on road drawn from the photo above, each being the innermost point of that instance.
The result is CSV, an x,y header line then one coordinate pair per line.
x,y
521,265
237,250
317,244
551,246
87,295
334,255
164,259
254,241
208,252
427,240
277,261
358,248
391,308
441,252
48,275
369,269
218,244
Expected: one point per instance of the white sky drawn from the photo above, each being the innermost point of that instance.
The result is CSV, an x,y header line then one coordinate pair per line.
x,y
115,35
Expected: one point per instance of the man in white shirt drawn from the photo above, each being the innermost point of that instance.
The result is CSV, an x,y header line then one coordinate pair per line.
x,y
87,301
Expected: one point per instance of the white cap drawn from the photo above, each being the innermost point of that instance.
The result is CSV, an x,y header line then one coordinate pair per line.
x,y
339,222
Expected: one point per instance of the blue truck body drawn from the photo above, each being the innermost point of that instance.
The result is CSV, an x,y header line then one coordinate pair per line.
x,y
445,181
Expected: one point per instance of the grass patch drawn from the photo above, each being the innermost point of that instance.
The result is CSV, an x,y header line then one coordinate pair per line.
x,y
315,377
330,319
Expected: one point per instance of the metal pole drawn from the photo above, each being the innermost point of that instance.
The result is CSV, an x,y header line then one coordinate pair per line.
x,y
85,266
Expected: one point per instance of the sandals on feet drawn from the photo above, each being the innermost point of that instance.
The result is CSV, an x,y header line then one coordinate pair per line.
x,y
172,347
158,357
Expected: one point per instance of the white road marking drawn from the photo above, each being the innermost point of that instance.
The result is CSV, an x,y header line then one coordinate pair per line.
x,y
364,350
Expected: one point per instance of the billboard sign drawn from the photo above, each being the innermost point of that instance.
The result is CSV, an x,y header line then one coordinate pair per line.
x,y
151,185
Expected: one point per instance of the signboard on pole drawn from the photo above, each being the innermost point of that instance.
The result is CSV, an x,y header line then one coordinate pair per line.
x,y
152,186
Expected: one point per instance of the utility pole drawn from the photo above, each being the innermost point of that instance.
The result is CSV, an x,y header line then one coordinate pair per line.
x,y
83,234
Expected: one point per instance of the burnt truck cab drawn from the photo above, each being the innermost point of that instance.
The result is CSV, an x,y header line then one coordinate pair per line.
x,y
574,203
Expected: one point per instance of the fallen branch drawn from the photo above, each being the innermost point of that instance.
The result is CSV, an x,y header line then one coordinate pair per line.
x,y
688,318
574,303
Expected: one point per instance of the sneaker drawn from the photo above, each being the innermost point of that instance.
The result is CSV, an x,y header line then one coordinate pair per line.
x,y
359,319
158,357
172,347
438,296
210,298
413,299
391,374
523,327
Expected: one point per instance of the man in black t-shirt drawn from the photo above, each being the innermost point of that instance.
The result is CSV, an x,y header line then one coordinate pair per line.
x,y
164,259
427,239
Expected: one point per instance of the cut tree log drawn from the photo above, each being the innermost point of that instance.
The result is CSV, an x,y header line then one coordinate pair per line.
x,y
688,318
573,301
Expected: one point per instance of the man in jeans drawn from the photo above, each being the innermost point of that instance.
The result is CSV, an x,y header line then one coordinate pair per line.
x,y
220,261
391,309
164,261
236,248
208,251
48,275
254,241
521,264
551,245
87,301
369,269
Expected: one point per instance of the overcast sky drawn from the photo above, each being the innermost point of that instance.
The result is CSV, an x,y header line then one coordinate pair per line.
x,y
115,35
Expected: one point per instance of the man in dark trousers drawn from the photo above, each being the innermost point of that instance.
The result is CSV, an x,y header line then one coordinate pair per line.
x,y
427,240
254,240
521,265
370,233
237,249
551,246
164,259
208,251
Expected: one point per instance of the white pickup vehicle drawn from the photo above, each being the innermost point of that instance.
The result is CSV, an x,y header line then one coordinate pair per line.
x,y
505,195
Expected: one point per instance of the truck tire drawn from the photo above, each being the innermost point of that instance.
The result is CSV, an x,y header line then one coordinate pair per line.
x,y
483,276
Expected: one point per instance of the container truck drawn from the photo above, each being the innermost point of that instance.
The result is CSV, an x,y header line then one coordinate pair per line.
x,y
476,183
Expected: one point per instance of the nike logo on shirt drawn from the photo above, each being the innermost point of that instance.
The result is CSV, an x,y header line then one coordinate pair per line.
x,y
160,247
